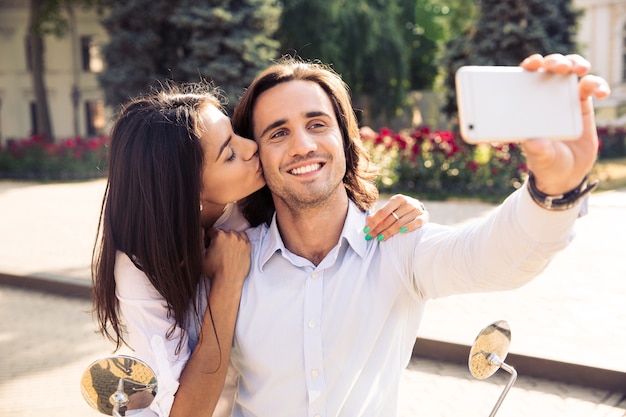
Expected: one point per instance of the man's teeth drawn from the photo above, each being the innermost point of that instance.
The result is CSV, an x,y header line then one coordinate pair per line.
x,y
306,169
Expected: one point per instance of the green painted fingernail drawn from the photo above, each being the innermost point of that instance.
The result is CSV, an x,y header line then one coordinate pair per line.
x,y
403,229
366,229
368,237
380,237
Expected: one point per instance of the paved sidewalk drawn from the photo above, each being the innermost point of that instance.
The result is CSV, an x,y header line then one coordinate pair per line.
x,y
573,314
49,342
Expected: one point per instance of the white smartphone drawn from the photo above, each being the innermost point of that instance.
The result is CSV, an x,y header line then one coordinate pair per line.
x,y
510,104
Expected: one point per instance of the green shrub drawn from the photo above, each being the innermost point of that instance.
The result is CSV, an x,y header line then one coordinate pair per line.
x,y
612,142
439,165
69,159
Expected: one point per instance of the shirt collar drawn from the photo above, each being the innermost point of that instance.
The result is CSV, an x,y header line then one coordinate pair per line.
x,y
352,233
353,230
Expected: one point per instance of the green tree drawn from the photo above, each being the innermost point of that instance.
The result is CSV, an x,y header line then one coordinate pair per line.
x,y
424,32
43,123
309,29
143,47
504,33
229,42
461,14
362,40
382,48
225,41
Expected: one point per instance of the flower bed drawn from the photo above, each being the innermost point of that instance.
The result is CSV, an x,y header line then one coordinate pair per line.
x,y
431,164
439,165
612,142
69,159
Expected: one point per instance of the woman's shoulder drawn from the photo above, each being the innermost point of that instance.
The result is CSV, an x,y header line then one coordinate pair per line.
x,y
130,281
232,219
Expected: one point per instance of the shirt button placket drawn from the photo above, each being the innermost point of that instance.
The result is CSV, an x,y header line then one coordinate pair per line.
x,y
313,359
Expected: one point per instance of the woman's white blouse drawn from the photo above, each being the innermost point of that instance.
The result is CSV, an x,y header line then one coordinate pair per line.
x,y
144,313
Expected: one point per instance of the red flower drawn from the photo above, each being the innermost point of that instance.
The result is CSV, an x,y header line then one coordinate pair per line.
x,y
385,131
93,145
472,166
402,144
445,136
602,130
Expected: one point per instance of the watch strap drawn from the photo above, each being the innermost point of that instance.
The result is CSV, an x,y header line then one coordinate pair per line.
x,y
561,201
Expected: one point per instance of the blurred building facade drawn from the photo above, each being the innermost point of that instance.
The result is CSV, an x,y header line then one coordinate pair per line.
x,y
602,37
76,102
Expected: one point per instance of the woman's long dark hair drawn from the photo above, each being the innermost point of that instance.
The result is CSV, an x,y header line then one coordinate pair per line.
x,y
360,171
151,205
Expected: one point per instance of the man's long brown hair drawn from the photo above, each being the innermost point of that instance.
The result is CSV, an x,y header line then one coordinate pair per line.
x,y
151,206
360,171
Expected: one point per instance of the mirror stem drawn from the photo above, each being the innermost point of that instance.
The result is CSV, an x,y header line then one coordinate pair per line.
x,y
495,360
119,399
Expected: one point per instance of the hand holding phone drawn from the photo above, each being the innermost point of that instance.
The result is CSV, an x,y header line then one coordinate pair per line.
x,y
510,104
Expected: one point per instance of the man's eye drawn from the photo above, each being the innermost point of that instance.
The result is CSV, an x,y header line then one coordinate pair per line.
x,y
278,134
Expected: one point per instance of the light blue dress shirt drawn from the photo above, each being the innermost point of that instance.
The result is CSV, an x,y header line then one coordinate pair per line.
x,y
333,339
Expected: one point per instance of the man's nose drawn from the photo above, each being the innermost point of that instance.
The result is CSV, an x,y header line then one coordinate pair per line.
x,y
302,142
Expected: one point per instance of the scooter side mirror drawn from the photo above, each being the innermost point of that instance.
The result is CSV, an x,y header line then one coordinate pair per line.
x,y
494,339
487,355
118,383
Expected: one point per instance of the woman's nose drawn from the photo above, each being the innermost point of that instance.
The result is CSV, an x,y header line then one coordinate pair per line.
x,y
249,148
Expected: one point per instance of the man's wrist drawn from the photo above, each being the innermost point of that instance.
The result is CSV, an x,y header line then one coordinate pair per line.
x,y
562,201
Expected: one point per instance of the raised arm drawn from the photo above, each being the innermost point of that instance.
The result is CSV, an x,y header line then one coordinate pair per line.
x,y
227,263
559,167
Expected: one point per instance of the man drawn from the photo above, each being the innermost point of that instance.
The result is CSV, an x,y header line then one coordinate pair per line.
x,y
327,320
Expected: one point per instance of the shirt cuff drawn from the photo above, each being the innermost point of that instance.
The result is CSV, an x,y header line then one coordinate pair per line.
x,y
167,383
543,225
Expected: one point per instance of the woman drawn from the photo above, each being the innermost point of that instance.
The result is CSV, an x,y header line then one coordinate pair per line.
x,y
169,217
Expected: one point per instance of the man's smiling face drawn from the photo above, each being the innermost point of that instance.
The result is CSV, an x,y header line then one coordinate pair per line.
x,y
300,143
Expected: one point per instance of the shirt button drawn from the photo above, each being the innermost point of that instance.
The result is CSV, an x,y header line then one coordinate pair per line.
x,y
317,415
315,373
312,324
314,275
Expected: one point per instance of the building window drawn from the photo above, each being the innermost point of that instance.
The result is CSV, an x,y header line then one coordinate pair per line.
x,y
624,53
90,54
95,118
33,118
